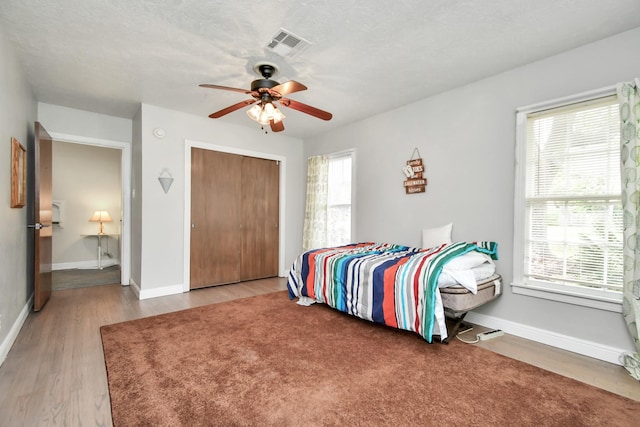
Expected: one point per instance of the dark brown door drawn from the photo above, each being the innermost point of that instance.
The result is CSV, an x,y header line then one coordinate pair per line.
x,y
234,218
42,214
260,216
215,218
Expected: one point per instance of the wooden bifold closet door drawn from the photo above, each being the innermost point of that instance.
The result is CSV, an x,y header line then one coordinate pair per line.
x,y
234,218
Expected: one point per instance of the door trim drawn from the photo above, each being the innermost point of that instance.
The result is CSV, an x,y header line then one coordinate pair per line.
x,y
188,145
125,167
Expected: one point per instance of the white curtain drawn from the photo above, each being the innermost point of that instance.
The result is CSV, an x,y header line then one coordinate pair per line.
x,y
629,98
314,233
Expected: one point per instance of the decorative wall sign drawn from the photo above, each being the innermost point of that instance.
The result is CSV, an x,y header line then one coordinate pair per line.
x,y
18,174
414,170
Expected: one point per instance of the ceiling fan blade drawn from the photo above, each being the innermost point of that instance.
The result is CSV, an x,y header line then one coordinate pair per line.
x,y
276,126
231,108
306,109
288,87
233,89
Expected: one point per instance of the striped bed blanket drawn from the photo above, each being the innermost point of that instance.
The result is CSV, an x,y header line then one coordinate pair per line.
x,y
381,282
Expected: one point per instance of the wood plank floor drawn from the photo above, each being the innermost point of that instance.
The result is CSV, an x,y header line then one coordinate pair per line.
x,y
55,375
81,278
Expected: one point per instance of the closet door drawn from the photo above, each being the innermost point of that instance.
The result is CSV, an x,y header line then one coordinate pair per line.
x,y
215,218
260,215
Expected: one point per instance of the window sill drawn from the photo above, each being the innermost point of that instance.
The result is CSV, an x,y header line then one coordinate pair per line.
x,y
601,302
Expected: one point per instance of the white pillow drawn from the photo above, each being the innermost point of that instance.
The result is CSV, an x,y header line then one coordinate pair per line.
x,y
432,237
467,261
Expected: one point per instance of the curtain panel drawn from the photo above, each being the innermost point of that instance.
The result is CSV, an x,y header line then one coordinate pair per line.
x,y
629,99
314,234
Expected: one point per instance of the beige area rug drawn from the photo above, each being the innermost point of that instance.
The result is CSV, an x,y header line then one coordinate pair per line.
x,y
266,361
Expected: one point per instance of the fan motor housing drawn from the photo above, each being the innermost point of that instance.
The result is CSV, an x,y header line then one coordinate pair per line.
x,y
263,84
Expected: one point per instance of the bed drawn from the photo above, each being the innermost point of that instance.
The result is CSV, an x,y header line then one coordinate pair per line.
x,y
395,285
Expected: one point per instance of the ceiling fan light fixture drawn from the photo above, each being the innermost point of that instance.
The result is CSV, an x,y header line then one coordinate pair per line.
x,y
268,108
264,118
277,115
264,93
264,113
254,112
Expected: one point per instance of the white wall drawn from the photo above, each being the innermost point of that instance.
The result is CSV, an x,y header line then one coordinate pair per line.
x,y
85,179
162,215
69,121
466,137
17,115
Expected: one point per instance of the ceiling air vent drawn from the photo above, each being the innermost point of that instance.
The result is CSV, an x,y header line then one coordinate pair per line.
x,y
284,43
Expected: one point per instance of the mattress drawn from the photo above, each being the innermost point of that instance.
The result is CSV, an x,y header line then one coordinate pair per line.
x,y
458,300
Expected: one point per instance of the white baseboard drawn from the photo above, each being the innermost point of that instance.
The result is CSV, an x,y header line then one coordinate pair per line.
x,y
135,287
156,292
88,265
6,345
160,292
554,339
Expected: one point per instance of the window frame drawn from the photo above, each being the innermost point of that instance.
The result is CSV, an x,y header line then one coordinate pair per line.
x,y
351,153
577,295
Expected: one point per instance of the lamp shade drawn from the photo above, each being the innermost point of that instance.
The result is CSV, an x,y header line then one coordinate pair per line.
x,y
100,216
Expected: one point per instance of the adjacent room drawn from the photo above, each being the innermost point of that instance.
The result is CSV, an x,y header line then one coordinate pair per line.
x,y
308,213
86,179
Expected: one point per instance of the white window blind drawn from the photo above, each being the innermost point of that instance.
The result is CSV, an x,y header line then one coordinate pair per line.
x,y
573,213
339,201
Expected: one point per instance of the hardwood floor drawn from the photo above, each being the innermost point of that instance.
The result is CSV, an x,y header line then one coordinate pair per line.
x,y
55,374
81,278
608,376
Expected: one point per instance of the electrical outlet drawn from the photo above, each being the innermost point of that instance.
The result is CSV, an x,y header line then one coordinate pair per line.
x,y
484,336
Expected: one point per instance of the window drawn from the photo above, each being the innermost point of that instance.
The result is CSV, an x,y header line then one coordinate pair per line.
x,y
568,236
339,200
328,216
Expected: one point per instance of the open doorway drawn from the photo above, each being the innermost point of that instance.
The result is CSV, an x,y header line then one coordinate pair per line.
x,y
120,224
86,246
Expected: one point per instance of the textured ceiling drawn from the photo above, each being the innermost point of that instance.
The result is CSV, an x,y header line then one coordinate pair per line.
x,y
366,57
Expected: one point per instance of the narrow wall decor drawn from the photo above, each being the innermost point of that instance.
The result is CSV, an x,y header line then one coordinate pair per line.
x,y
166,180
413,171
18,174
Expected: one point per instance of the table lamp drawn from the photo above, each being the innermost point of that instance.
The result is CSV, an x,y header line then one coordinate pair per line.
x,y
100,216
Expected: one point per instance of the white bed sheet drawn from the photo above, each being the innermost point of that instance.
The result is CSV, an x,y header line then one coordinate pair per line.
x,y
471,272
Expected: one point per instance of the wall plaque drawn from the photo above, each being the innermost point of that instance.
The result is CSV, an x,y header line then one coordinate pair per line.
x,y
414,170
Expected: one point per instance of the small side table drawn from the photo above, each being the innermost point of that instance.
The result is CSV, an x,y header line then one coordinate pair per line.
x,y
99,236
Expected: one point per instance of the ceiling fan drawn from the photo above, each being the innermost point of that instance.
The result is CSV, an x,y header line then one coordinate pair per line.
x,y
269,94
